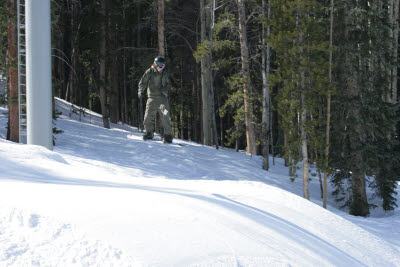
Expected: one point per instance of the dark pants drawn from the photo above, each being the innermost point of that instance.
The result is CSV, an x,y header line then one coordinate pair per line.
x,y
160,105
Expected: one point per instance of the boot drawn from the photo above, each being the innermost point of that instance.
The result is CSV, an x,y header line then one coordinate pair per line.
x,y
148,136
168,139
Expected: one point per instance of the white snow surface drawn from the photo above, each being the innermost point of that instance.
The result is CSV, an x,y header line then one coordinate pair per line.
x,y
104,197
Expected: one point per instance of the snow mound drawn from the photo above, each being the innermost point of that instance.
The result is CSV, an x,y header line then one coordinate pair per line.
x,y
29,153
29,239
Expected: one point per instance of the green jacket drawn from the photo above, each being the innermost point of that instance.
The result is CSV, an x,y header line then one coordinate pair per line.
x,y
155,82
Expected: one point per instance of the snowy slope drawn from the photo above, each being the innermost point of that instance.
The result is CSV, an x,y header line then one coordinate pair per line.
x,y
103,199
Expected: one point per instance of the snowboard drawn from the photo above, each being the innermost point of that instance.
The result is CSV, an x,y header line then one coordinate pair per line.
x,y
155,139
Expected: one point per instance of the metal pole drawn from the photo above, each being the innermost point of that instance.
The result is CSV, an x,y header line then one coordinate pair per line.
x,y
38,73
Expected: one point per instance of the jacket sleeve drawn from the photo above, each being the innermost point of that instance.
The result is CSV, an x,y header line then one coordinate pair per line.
x,y
144,82
165,84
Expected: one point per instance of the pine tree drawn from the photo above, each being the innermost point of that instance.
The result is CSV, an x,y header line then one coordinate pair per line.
x,y
226,66
298,40
4,22
363,136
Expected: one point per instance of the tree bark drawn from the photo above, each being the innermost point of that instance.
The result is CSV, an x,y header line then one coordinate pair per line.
x,y
182,112
103,96
115,106
247,86
304,149
124,72
205,79
136,114
328,113
395,42
271,132
285,144
265,78
214,123
199,118
67,48
195,110
73,90
161,38
13,106
303,119
359,206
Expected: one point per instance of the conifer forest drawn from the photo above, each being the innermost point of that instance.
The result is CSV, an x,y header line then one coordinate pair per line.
x,y
311,81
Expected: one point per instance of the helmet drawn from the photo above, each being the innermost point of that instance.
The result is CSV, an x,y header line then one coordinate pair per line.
x,y
159,62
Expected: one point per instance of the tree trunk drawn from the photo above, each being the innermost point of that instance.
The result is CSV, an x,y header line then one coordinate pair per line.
x,y
103,96
265,79
395,41
73,53
221,126
285,144
195,110
115,106
359,206
182,123
205,79
182,119
73,90
303,121
161,51
67,49
199,107
161,45
214,123
359,202
328,113
136,119
124,72
189,126
271,132
304,149
13,113
237,141
247,86
61,70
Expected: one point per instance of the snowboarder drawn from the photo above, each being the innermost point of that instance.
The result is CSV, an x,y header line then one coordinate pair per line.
x,y
155,81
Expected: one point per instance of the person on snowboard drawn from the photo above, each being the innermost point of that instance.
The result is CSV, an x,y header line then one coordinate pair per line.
x,y
155,80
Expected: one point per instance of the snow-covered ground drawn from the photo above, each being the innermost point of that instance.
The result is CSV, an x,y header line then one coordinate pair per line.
x,y
104,197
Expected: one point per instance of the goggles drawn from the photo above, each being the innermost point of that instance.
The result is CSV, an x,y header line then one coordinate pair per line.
x,y
161,67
